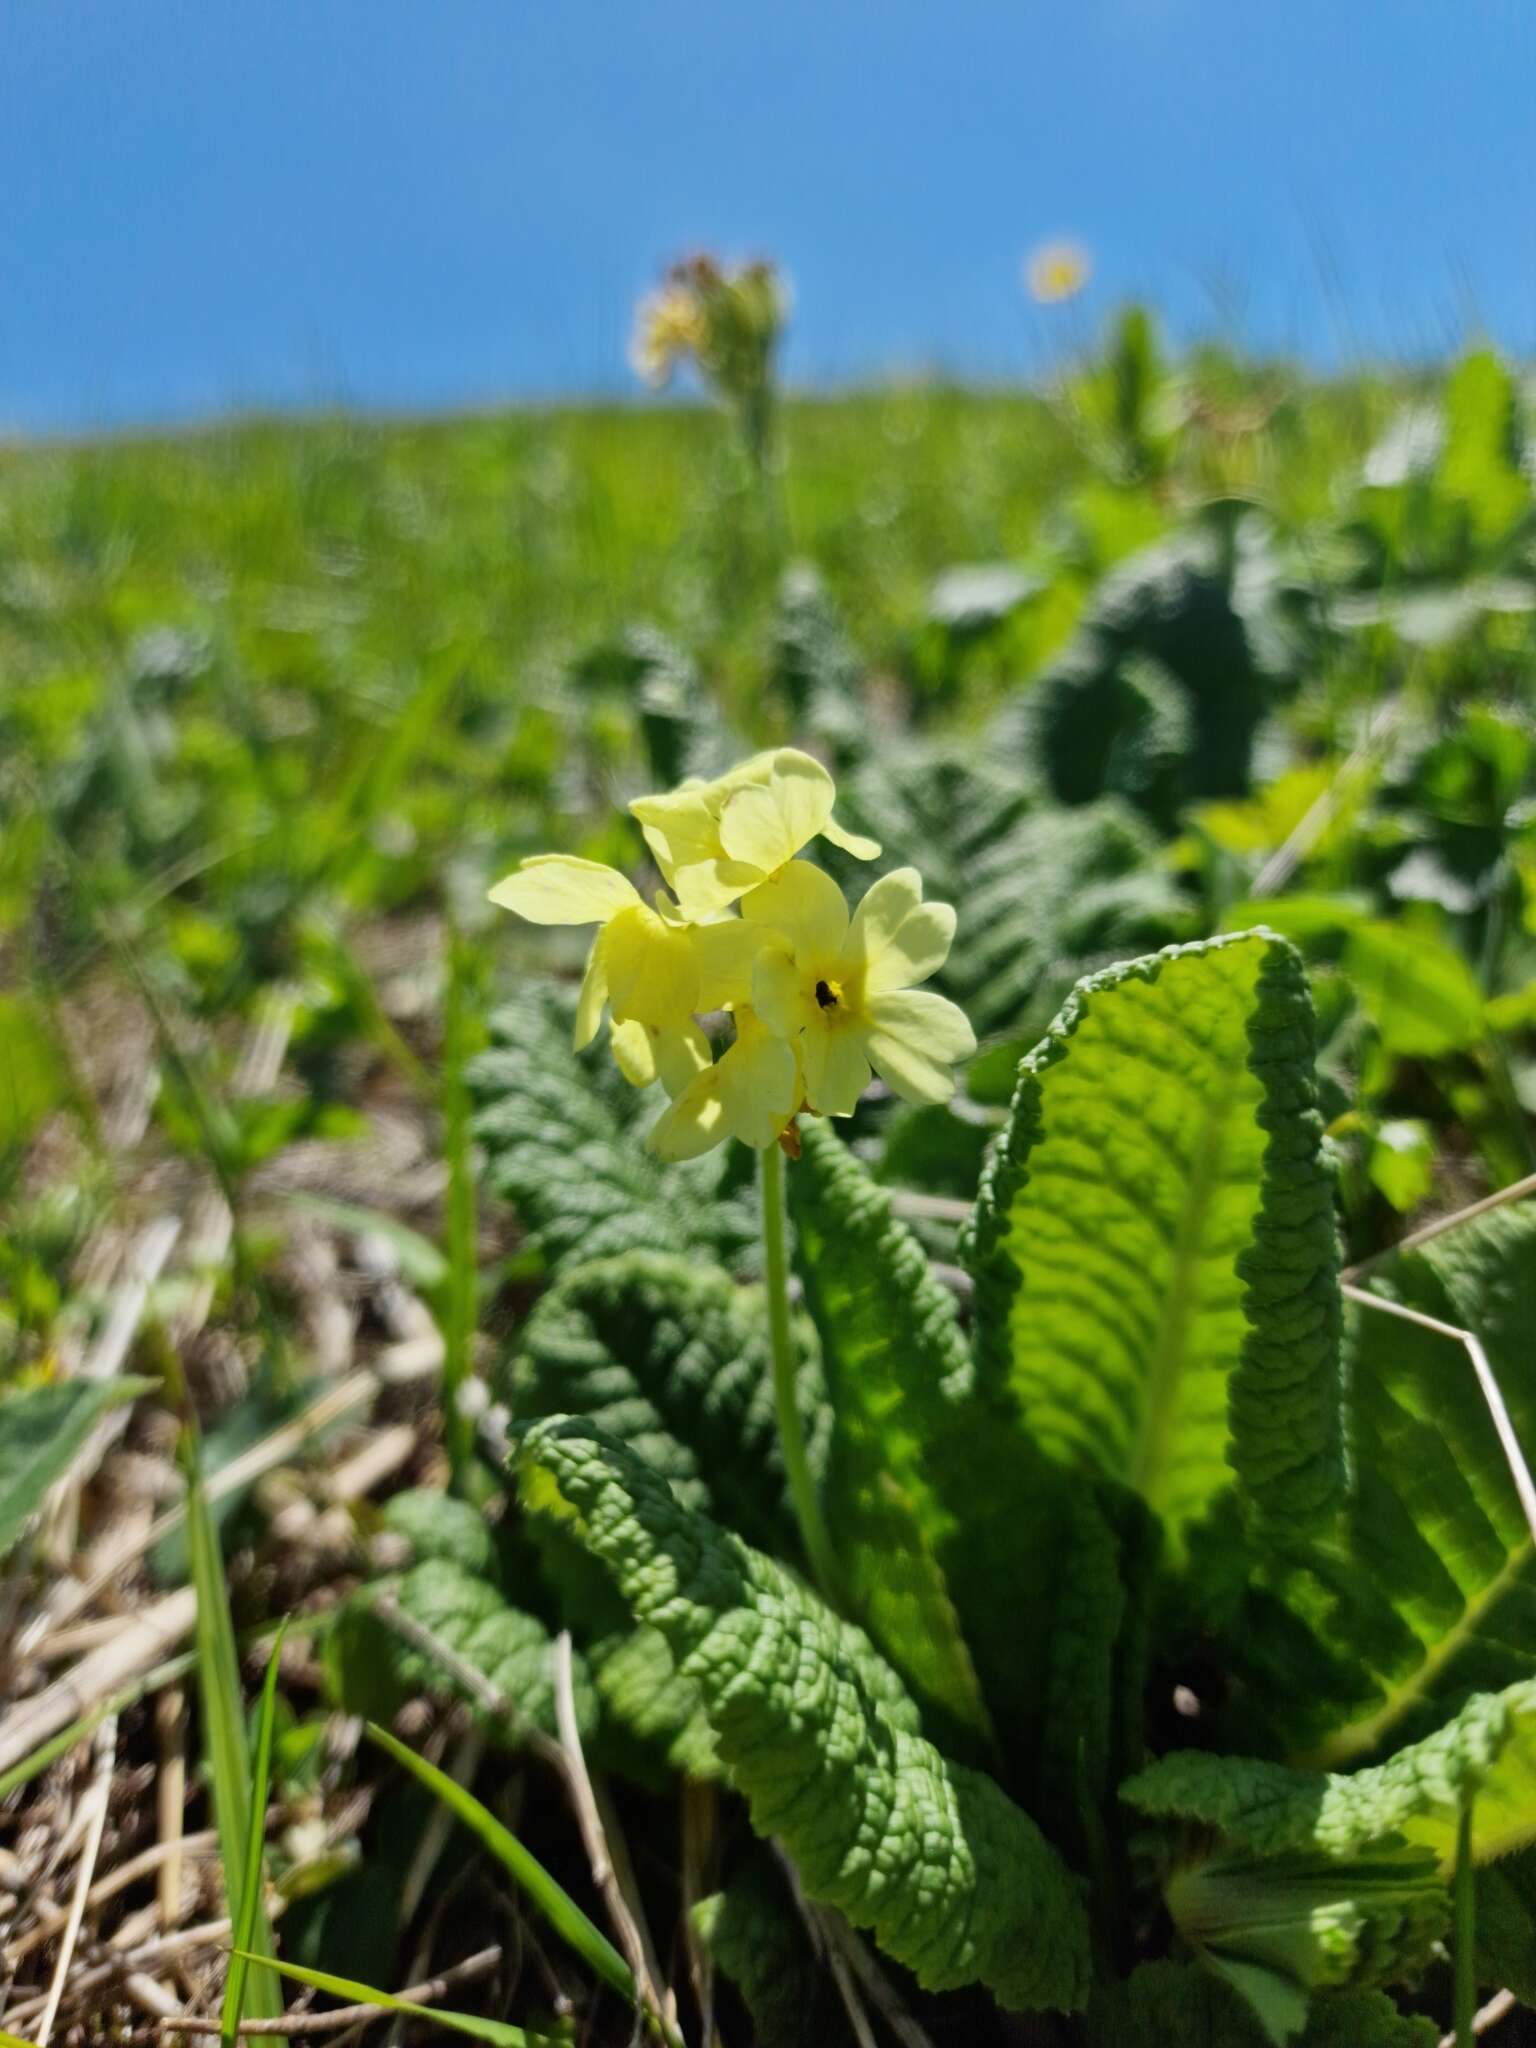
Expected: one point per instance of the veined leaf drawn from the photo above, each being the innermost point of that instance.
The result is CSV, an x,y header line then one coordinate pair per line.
x,y
669,1355
374,1667
41,1428
1154,1242
439,1525
817,1733
1428,1594
933,1465
1486,1755
897,1370
1180,2005
563,1138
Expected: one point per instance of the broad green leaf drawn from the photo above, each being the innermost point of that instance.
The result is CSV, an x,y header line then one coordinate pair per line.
x,y
1428,1592
497,2032
669,1355
1182,2005
818,1735
754,1933
1481,464
1486,1755
1419,993
41,1429
897,1371
33,1079
1153,1243
437,1525
563,1139
374,1668
521,1865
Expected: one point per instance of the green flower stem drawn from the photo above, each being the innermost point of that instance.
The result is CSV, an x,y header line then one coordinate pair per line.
x,y
1465,1894
802,1487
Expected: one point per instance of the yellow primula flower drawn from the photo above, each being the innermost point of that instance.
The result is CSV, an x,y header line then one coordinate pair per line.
x,y
750,1093
844,994
645,964
713,841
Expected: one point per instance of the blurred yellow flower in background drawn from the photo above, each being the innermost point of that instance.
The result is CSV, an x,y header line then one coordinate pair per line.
x,y
1057,271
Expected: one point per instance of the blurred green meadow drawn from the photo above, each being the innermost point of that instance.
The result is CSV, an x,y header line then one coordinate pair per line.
x,y
1165,648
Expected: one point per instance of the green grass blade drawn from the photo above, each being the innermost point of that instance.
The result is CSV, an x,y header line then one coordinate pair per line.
x,y
525,1870
223,1718
14,2041
246,1930
459,1291
498,2032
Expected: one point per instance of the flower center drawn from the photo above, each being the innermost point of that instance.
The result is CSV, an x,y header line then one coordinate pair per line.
x,y
827,994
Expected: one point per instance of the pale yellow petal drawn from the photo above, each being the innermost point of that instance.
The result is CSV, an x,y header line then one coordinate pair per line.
x,y
803,903
653,970
759,1087
594,993
896,940
767,824
727,952
679,827
694,1123
836,1071
709,887
779,992
913,1037
633,1052
851,842
556,888
679,1056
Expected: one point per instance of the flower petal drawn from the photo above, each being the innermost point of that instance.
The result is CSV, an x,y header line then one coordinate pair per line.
x,y
653,970
767,824
895,938
851,842
594,993
913,1037
679,1056
726,953
803,903
779,994
556,888
759,1080
681,828
694,1123
836,1071
633,1053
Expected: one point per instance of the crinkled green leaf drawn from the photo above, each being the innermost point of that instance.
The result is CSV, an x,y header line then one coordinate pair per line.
x,y
563,1138
817,1733
969,1554
41,1428
754,1933
670,1356
1182,2005
1428,1593
897,1371
373,1666
436,1525
1154,1244
1487,1754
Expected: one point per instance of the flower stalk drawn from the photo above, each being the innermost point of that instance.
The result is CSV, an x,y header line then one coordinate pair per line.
x,y
803,1495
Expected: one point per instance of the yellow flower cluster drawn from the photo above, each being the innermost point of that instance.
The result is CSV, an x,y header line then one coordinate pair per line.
x,y
817,997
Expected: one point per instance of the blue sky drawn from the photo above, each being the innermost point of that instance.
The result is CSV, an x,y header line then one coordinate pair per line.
x,y
210,204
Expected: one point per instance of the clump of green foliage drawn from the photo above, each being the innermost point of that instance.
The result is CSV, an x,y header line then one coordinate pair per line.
x,y
1176,1678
